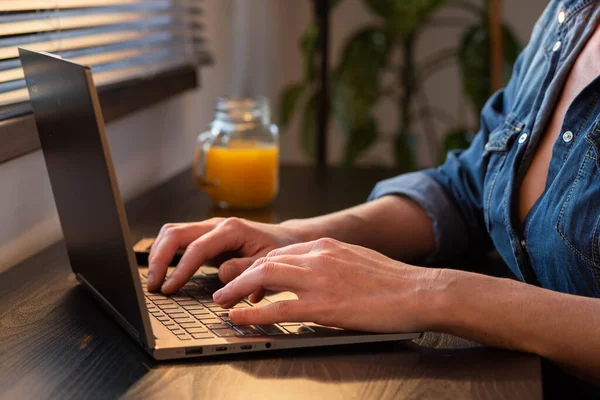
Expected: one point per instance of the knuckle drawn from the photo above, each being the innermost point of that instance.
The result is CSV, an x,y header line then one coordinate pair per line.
x,y
231,223
326,255
326,243
193,247
274,253
171,230
215,220
267,268
166,227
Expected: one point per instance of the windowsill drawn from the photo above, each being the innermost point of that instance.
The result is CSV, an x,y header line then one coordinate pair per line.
x,y
18,135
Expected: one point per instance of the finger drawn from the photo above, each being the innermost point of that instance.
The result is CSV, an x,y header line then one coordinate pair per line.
x,y
270,276
171,238
227,236
280,311
233,268
257,296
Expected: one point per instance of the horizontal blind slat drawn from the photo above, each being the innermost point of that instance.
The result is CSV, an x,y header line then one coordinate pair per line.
x,y
118,39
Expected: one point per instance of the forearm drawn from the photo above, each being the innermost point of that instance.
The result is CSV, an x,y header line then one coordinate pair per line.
x,y
393,225
514,315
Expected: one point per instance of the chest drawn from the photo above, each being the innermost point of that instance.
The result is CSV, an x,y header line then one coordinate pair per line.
x,y
545,149
585,69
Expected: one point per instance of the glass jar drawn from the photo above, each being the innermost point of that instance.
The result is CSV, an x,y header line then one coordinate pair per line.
x,y
237,161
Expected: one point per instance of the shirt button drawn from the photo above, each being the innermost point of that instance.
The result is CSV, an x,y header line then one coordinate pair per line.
x,y
523,138
561,17
523,243
557,46
568,136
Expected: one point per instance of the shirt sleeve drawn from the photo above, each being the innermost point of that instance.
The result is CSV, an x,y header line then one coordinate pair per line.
x,y
452,194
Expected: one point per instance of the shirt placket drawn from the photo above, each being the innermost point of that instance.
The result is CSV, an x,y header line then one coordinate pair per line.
x,y
518,241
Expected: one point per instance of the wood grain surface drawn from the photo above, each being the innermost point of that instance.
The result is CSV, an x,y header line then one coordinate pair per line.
x,y
56,342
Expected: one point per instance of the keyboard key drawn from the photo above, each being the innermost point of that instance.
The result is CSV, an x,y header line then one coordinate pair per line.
x,y
189,324
163,318
247,330
182,337
179,298
175,313
168,323
204,335
196,329
182,320
198,310
241,305
195,306
165,300
219,310
220,325
202,296
173,327
169,306
263,302
226,332
298,329
224,317
189,303
211,320
271,329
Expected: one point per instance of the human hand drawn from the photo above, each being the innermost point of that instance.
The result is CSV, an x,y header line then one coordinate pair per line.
x,y
208,239
337,284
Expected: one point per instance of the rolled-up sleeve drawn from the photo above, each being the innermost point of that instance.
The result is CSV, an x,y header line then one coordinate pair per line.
x,y
452,194
451,234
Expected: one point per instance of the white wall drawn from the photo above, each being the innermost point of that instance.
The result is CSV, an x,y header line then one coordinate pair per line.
x,y
155,144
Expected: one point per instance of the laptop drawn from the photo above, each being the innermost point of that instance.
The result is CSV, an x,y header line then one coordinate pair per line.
x,y
96,233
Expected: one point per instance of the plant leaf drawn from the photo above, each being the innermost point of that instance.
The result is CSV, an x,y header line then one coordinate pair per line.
x,y
288,101
474,61
309,47
356,80
308,133
405,150
403,16
359,140
457,138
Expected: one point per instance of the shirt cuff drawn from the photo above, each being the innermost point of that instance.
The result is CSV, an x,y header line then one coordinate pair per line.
x,y
451,235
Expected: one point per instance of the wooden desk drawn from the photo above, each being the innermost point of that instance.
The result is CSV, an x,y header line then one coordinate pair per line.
x,y
55,342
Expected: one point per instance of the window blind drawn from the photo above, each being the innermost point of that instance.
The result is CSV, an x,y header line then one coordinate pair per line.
x,y
120,39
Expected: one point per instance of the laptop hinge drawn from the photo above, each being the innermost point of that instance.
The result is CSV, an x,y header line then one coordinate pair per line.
x,y
113,311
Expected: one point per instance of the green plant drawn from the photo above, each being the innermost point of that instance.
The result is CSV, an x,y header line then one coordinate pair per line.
x,y
357,81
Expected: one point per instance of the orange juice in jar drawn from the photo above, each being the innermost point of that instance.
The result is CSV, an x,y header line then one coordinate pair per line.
x,y
237,161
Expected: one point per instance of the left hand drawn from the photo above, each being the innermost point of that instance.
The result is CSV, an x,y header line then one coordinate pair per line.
x,y
337,284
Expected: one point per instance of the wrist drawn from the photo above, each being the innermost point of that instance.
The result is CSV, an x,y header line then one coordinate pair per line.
x,y
303,229
436,298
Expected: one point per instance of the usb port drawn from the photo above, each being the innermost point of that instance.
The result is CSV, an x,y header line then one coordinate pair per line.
x,y
192,351
224,348
246,347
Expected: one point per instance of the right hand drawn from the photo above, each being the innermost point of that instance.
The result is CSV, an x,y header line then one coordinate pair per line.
x,y
208,239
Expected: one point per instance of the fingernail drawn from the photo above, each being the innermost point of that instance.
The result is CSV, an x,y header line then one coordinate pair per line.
x,y
218,295
150,278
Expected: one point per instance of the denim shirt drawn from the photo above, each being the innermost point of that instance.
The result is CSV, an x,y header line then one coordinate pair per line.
x,y
472,197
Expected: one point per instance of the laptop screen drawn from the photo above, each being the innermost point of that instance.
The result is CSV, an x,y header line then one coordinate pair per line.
x,y
92,216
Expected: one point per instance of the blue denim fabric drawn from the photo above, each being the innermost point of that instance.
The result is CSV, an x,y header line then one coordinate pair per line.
x,y
471,197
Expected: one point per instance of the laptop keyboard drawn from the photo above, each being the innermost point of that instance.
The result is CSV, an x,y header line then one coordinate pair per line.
x,y
191,313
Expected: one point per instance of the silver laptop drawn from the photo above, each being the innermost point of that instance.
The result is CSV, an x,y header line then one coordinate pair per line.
x,y
187,324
